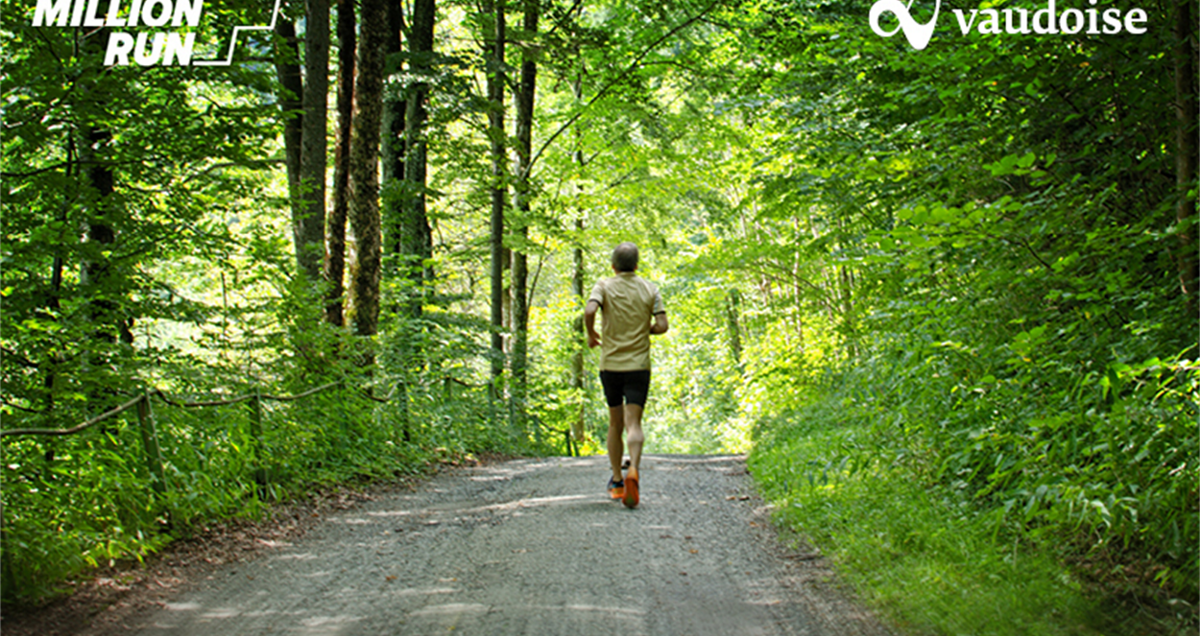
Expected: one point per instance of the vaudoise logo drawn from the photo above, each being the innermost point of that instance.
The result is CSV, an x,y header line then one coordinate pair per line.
x,y
1046,20
145,47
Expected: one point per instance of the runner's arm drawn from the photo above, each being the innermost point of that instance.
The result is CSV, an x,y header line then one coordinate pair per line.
x,y
660,324
589,321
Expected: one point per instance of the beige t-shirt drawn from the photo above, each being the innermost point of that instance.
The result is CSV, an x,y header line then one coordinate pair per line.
x,y
627,303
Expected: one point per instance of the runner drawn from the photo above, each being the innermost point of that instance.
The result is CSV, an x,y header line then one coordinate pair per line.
x,y
628,304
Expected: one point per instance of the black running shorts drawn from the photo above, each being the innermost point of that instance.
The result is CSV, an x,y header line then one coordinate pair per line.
x,y
625,387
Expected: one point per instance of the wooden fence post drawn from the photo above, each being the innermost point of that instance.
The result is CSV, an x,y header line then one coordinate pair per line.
x,y
402,402
150,443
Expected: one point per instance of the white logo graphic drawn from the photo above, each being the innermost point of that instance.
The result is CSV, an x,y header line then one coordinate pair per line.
x,y
1046,20
148,48
916,33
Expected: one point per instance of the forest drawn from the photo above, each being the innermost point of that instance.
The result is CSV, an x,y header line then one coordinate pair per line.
x,y
938,284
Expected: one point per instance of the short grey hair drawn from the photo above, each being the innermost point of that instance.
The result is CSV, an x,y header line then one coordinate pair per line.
x,y
625,257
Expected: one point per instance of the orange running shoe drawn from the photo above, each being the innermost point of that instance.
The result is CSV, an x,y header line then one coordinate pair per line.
x,y
630,498
616,489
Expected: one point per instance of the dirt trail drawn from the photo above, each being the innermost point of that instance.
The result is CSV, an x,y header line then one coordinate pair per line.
x,y
533,547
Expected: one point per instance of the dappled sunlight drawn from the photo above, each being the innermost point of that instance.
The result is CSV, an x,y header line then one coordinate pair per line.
x,y
424,591
534,502
390,513
299,556
451,609
689,460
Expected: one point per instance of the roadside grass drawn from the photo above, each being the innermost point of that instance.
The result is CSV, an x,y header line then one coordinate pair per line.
x,y
924,560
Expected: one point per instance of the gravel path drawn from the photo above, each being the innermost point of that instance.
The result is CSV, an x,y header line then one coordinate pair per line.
x,y
533,547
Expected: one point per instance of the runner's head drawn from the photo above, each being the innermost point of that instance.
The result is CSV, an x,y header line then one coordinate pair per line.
x,y
625,257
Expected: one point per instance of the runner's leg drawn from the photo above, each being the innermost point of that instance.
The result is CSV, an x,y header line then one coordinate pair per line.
x,y
633,425
616,449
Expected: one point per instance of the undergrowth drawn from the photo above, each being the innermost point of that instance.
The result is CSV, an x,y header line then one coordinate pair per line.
x,y
85,501
946,538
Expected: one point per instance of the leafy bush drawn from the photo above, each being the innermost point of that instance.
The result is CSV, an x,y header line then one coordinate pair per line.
x,y
1099,471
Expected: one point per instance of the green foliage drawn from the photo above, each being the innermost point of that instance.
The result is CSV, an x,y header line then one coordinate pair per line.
x,y
988,228
961,266
921,555
88,499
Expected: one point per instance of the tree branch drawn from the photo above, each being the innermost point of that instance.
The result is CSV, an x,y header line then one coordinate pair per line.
x,y
634,65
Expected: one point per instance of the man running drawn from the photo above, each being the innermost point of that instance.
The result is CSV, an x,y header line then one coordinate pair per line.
x,y
628,304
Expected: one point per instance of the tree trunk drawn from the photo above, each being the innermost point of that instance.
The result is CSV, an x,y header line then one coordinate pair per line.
x,y
398,119
57,266
97,274
524,115
392,150
309,217
364,161
101,283
1185,150
849,321
417,239
335,262
733,313
579,342
287,69
494,42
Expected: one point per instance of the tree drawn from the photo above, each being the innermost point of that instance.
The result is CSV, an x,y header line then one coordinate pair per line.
x,y
99,277
1185,153
416,237
291,91
523,196
393,148
494,40
303,101
364,171
309,215
335,232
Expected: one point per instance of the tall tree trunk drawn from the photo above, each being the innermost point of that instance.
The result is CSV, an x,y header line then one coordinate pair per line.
x,y
308,218
417,240
524,114
291,87
494,42
733,322
393,154
579,341
845,292
364,162
392,150
1185,150
96,274
54,359
335,232
101,283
